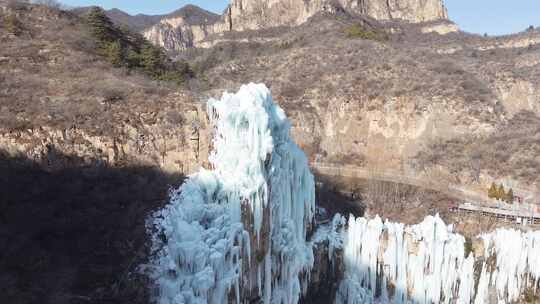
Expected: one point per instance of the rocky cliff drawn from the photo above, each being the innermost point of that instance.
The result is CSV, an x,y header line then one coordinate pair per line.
x,y
257,14
179,33
391,101
182,29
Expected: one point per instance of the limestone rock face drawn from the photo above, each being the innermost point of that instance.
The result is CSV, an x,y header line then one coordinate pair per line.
x,y
182,31
176,34
175,148
442,28
256,14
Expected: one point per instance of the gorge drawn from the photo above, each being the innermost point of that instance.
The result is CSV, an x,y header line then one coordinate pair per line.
x,y
238,233
393,115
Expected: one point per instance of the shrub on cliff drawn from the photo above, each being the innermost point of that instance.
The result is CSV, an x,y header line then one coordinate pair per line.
x,y
13,25
114,54
357,31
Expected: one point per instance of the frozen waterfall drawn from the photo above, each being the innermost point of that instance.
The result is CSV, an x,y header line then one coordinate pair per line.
x,y
238,231
427,263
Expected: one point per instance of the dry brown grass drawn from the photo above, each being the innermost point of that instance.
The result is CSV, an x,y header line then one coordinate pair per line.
x,y
52,76
512,150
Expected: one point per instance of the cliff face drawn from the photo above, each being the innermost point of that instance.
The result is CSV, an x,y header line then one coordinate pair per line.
x,y
179,33
176,34
182,29
257,14
152,140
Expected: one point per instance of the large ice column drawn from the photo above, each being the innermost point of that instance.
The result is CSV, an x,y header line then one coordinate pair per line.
x,y
512,264
251,211
199,245
392,263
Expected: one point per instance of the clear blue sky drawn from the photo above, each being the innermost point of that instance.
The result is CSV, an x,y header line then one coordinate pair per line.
x,y
495,17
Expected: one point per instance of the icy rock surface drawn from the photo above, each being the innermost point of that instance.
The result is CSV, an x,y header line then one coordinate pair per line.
x,y
512,265
392,263
424,263
252,209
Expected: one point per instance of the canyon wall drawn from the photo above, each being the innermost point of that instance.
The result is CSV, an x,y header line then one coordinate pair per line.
x,y
177,141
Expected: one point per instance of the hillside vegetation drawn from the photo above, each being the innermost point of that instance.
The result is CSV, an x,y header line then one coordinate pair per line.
x,y
61,70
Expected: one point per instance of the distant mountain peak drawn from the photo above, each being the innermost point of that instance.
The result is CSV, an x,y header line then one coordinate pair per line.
x,y
195,15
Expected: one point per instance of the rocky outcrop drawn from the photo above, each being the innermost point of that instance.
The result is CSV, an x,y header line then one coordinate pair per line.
x,y
183,29
441,28
180,32
177,148
175,34
257,14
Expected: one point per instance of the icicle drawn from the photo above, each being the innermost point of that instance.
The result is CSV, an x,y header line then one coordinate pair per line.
x,y
517,257
426,263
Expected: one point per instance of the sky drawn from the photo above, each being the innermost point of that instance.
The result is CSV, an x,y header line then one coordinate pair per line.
x,y
494,17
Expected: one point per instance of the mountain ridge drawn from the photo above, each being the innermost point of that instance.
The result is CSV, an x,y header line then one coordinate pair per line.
x,y
140,22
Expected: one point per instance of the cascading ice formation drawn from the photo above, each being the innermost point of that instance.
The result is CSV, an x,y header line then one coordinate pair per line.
x,y
392,263
239,231
512,265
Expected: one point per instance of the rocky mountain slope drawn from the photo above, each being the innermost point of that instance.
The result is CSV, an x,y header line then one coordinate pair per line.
x,y
59,93
182,29
401,98
382,103
137,22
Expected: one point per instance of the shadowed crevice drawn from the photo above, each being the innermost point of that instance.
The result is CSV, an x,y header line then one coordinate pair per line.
x,y
73,230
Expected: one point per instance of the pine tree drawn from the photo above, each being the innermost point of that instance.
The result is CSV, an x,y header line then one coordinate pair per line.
x,y
510,196
492,192
100,25
114,53
501,194
152,59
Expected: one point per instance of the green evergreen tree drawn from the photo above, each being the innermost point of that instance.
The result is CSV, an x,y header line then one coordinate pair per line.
x,y
501,194
101,26
114,53
122,47
510,196
493,192
133,58
152,59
